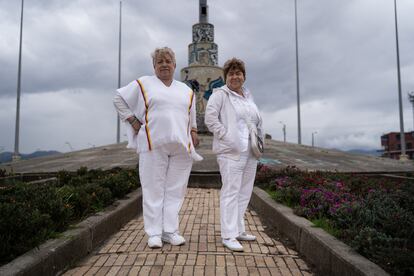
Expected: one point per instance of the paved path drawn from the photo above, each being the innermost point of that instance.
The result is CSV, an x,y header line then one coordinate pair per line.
x,y
127,253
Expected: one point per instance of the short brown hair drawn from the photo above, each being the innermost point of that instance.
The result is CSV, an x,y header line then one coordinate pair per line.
x,y
234,64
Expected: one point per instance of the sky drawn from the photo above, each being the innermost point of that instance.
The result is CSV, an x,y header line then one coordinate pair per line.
x,y
347,65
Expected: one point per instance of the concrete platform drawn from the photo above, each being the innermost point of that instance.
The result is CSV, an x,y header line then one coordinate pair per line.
x,y
277,154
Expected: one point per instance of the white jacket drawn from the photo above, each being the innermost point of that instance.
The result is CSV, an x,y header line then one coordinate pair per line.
x,y
220,118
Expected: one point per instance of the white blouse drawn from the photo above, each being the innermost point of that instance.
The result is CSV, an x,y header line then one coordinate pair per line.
x,y
167,113
246,110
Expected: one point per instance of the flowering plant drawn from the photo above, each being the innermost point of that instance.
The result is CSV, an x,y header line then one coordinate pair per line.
x,y
373,214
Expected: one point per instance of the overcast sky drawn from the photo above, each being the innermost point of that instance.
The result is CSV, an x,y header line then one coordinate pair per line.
x,y
347,56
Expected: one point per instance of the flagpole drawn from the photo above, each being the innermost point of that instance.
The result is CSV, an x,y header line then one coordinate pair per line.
x,y
403,155
16,155
297,74
118,120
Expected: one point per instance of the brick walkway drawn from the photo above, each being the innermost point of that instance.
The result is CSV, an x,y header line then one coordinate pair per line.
x,y
127,253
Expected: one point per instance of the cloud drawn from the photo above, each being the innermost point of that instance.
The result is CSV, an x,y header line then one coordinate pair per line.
x,y
336,126
347,59
51,119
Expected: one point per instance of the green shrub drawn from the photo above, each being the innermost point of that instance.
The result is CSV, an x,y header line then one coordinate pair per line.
x,y
100,196
77,199
287,195
85,199
22,228
3,173
33,213
346,214
121,183
63,177
30,214
389,252
327,225
373,214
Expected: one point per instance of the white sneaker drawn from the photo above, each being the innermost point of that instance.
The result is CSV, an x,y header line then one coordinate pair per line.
x,y
232,244
246,237
173,238
154,242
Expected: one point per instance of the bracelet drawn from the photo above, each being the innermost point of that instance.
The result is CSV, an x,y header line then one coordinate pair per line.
x,y
134,120
193,130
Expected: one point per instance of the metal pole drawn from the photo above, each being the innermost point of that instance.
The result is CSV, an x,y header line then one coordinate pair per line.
x,y
118,119
19,70
284,131
403,155
313,138
297,74
411,98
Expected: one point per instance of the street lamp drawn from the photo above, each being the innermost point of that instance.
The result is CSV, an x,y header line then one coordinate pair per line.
x,y
297,74
313,138
403,156
284,131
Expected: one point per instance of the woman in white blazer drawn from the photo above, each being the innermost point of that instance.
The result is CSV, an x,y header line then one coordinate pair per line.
x,y
229,111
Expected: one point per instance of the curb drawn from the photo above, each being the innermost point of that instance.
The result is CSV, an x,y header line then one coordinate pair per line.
x,y
55,255
329,255
211,180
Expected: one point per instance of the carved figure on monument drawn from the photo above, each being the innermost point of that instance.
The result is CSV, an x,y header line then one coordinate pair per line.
x,y
202,54
200,103
203,58
213,56
213,84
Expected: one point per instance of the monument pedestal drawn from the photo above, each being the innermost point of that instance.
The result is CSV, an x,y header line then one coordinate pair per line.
x,y
202,79
202,74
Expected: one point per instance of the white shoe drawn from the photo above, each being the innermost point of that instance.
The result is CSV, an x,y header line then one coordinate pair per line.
x,y
232,244
246,237
154,242
173,238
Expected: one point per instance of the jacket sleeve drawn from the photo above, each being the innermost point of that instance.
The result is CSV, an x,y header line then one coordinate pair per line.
x,y
212,114
260,130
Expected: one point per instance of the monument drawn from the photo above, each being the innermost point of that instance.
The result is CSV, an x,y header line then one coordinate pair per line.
x,y
203,73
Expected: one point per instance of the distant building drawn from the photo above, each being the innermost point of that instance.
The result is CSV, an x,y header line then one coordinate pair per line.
x,y
391,145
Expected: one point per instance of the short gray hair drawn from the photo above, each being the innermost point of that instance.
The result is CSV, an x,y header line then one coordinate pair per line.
x,y
161,52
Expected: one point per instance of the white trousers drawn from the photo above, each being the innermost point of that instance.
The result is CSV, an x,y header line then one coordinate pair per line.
x,y
164,174
238,179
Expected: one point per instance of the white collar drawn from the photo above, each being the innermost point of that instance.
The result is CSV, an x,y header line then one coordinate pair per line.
x,y
246,92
